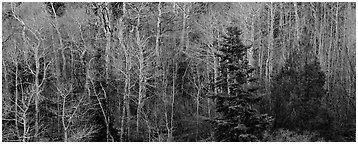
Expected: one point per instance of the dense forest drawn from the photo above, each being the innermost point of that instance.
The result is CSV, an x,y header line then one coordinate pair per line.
x,y
178,71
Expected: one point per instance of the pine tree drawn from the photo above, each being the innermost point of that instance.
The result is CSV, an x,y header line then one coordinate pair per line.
x,y
238,120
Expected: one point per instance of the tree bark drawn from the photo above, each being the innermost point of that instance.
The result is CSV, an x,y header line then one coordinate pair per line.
x,y
297,27
106,25
269,49
183,33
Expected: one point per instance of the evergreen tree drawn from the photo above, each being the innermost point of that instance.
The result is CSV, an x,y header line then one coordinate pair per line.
x,y
238,120
298,90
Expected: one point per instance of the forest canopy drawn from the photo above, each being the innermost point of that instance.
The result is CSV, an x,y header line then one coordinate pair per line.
x,y
178,71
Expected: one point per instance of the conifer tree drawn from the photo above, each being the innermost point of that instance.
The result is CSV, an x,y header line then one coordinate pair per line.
x,y
298,90
238,120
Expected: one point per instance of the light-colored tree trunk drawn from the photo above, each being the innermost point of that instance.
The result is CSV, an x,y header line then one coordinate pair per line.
x,y
297,26
198,86
207,78
336,46
65,136
126,111
160,71
174,77
128,90
106,26
183,33
142,79
58,59
282,34
315,37
321,36
37,88
16,90
157,38
269,49
127,65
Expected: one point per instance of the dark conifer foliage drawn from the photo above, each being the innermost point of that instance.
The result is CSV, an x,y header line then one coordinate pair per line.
x,y
239,120
298,91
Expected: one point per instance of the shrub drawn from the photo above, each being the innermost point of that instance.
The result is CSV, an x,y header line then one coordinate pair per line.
x,y
284,135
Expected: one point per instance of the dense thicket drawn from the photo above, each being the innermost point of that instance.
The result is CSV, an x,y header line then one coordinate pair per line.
x,y
127,71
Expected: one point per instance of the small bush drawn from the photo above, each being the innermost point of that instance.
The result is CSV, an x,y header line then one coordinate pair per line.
x,y
283,135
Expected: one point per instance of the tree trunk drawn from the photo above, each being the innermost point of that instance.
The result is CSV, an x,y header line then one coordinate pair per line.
x,y
282,35
183,33
269,49
297,34
106,25
16,91
174,77
142,79
157,38
37,88
65,137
